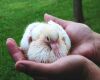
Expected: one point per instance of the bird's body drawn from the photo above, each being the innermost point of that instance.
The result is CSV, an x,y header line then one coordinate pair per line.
x,y
45,42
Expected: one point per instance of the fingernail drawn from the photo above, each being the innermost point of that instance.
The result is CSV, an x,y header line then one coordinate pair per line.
x,y
9,40
46,14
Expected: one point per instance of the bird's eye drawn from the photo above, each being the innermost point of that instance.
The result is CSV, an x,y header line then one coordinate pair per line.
x,y
48,39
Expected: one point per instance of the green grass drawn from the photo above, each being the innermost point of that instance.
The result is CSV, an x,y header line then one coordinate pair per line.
x,y
16,14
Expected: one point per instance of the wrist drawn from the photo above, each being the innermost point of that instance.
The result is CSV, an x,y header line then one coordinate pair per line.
x,y
97,47
91,70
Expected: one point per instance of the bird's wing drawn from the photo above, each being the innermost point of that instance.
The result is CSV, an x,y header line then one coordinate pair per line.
x,y
62,33
37,31
24,44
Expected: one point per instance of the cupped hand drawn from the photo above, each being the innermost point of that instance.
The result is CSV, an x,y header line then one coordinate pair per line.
x,y
72,67
84,41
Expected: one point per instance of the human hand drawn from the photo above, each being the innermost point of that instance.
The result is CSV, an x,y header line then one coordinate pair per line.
x,y
43,70
15,52
72,67
84,41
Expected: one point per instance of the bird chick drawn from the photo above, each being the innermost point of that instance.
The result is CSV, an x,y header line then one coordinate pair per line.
x,y
45,42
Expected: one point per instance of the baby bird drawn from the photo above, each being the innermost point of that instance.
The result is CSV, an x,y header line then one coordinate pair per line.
x,y
45,42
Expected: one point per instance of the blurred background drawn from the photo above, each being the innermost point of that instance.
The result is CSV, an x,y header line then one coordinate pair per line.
x,y
15,15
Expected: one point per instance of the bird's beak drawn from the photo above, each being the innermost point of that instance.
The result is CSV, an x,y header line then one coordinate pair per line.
x,y
30,39
55,46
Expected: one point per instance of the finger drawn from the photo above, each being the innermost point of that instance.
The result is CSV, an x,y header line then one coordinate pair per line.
x,y
67,65
61,22
70,67
14,51
33,69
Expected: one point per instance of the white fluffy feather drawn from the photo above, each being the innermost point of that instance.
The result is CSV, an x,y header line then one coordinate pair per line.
x,y
38,50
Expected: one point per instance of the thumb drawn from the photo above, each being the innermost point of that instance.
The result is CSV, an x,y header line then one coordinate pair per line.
x,y
61,22
33,69
14,50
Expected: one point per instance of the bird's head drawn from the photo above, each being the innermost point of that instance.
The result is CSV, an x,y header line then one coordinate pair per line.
x,y
50,34
48,43
51,38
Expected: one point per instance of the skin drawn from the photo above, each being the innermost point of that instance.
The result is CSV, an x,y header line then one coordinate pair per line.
x,y
84,41
73,67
